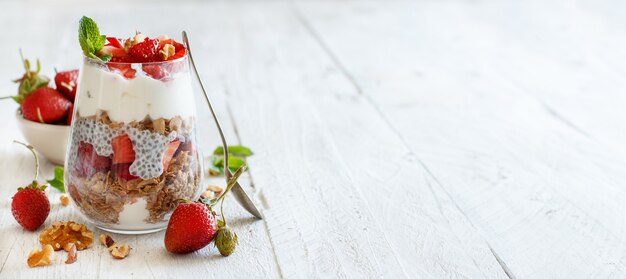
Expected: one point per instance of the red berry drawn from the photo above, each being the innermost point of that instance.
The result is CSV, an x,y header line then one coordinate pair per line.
x,y
145,51
155,71
124,69
114,51
191,227
122,171
45,105
169,153
66,83
114,42
186,146
123,151
30,207
89,162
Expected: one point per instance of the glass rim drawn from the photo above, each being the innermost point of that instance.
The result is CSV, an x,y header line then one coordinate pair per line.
x,y
97,61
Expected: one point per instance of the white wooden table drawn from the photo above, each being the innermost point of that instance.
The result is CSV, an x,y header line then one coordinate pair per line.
x,y
397,139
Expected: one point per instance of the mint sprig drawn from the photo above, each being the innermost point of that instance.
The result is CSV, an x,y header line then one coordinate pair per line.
x,y
90,39
236,159
57,181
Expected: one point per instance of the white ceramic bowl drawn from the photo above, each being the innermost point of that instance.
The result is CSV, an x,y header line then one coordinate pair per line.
x,y
49,140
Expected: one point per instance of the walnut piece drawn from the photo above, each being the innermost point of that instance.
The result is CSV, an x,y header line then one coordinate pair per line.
x,y
167,51
106,240
40,257
71,255
208,195
215,188
65,200
119,252
63,234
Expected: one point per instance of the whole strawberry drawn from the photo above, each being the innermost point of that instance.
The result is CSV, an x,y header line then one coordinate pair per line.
x,y
30,206
45,105
191,228
66,83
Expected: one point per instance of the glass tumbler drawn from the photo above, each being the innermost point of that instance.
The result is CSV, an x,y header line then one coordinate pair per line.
x,y
133,150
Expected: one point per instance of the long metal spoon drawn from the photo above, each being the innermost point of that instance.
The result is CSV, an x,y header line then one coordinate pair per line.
x,y
240,195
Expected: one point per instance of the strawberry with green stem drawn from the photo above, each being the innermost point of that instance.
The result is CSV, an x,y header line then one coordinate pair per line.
x,y
193,225
30,206
29,82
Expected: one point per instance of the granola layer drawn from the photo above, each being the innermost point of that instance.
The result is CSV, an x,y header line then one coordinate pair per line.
x,y
102,193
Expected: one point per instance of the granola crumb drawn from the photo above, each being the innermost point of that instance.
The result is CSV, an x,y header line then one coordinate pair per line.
x,y
41,257
71,255
65,200
63,234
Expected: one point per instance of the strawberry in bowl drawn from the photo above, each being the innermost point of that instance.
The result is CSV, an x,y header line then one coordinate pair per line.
x,y
45,112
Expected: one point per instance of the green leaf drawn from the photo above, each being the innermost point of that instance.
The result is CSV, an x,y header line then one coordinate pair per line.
x,y
236,150
57,181
89,37
233,163
105,57
218,164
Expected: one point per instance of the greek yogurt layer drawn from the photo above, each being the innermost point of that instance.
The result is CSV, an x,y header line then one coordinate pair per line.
x,y
128,100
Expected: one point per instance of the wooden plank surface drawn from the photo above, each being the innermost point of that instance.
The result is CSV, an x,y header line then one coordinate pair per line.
x,y
545,196
403,139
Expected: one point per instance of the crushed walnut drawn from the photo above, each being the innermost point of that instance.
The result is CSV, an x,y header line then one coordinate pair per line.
x,y
117,251
63,234
71,255
65,200
40,257
167,51
212,191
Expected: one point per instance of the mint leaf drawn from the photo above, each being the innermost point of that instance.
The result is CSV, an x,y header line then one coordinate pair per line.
x,y
236,150
57,181
233,163
106,57
90,39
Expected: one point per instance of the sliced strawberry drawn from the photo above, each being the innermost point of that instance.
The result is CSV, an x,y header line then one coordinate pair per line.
x,y
122,171
179,53
89,162
122,149
187,146
124,69
169,153
155,71
114,51
115,42
145,51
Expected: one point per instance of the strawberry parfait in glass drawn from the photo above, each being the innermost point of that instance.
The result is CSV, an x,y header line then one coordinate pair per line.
x,y
132,150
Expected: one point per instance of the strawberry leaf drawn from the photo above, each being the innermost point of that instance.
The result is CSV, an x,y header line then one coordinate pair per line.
x,y
57,181
236,150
